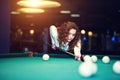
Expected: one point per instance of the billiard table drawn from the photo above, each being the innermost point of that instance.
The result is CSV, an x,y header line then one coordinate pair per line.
x,y
23,66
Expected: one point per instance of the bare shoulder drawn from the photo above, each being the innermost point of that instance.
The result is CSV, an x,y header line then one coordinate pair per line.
x,y
52,27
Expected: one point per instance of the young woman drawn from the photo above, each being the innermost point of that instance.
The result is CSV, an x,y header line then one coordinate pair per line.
x,y
66,37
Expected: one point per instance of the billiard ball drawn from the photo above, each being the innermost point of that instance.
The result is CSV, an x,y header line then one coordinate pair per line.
x,y
45,57
106,59
94,58
87,58
116,67
87,69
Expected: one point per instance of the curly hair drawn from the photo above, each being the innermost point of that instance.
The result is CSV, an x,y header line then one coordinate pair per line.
x,y
63,31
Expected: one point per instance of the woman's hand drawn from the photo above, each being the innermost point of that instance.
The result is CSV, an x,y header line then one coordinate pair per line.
x,y
53,46
79,58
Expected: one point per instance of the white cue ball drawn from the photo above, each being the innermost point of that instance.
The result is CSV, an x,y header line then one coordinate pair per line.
x,y
45,57
106,59
94,58
87,58
116,67
87,69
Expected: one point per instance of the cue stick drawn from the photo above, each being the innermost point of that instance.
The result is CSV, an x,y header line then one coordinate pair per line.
x,y
82,59
63,50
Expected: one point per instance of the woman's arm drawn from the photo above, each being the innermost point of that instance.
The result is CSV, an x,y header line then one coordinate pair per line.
x,y
54,36
77,50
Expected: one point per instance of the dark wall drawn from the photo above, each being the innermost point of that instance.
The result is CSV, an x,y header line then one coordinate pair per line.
x,y
4,25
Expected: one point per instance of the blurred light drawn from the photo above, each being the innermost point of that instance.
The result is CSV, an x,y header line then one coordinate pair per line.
x,y
15,12
38,3
31,10
84,38
75,15
83,31
113,39
26,49
115,33
20,31
65,11
32,31
90,33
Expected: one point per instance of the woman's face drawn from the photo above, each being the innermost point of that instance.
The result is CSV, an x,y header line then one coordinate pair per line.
x,y
71,35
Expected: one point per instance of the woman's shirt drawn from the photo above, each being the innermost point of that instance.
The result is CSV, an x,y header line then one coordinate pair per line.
x,y
64,46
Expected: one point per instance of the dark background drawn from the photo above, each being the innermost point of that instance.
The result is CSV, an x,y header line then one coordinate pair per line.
x,y
4,26
102,17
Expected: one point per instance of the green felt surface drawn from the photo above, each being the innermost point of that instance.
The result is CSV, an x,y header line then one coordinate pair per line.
x,y
35,68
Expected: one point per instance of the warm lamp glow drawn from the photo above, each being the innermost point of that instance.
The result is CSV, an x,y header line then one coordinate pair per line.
x,y
90,33
75,15
31,10
15,12
38,3
65,12
32,31
20,31
83,32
